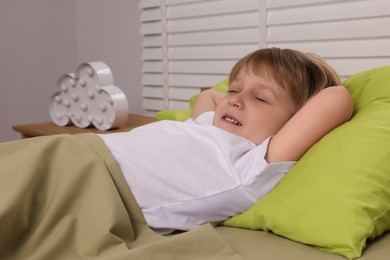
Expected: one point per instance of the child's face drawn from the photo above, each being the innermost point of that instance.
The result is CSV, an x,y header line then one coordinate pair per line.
x,y
255,107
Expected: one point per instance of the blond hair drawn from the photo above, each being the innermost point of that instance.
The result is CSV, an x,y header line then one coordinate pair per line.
x,y
302,75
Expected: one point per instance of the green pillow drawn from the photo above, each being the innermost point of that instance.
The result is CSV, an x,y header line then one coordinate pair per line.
x,y
182,115
176,115
338,195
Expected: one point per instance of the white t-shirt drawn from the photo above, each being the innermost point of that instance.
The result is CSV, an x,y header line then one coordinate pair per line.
x,y
185,174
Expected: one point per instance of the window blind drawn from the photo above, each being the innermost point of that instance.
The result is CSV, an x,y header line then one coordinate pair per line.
x,y
351,35
188,44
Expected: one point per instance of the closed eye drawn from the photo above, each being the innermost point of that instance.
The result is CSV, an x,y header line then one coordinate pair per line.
x,y
262,99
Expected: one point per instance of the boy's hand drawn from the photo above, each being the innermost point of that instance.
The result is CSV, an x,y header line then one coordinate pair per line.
x,y
207,101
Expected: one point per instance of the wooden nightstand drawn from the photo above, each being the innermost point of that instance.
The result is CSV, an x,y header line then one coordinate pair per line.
x,y
49,128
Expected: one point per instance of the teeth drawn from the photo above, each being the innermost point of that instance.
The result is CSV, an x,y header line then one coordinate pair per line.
x,y
231,120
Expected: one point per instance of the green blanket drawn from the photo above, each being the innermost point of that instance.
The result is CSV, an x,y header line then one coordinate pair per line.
x,y
64,197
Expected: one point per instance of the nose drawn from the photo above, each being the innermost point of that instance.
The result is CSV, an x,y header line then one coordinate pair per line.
x,y
236,101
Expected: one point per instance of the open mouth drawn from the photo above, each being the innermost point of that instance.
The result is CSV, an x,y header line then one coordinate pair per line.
x,y
231,120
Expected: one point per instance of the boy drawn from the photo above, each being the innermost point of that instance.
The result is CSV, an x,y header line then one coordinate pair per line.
x,y
281,92
237,146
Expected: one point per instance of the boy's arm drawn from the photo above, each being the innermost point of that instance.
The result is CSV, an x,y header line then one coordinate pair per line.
x,y
328,109
206,101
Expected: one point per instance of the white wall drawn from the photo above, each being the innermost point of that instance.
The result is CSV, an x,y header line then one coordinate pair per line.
x,y
37,44
42,39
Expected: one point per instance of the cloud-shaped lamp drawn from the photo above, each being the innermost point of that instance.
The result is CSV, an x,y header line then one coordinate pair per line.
x,y
89,97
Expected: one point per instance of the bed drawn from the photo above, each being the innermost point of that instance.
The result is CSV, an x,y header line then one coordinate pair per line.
x,y
68,199
337,198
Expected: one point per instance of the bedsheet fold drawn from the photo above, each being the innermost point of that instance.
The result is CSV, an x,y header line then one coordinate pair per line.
x,y
64,197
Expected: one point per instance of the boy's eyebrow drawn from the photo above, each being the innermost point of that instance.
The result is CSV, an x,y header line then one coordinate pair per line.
x,y
237,78
272,88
